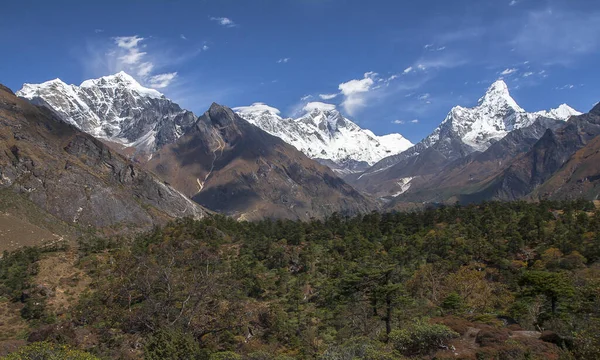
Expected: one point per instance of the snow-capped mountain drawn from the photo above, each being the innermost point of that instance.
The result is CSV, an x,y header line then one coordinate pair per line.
x,y
466,130
323,133
495,115
115,108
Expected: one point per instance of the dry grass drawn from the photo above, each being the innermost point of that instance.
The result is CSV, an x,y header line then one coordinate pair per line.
x,y
58,272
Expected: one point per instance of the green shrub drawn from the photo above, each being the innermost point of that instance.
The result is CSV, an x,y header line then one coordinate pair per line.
x,y
171,344
420,337
452,302
48,351
225,355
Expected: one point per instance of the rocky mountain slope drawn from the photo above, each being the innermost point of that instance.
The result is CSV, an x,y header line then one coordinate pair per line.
x,y
464,131
549,159
75,177
230,166
115,108
322,133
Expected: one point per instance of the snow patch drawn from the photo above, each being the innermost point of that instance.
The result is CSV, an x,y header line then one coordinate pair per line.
x,y
404,184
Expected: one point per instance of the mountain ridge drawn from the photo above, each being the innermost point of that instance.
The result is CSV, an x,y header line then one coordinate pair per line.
x,y
323,133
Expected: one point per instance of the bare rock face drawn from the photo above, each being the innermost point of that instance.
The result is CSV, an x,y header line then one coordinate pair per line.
x,y
231,166
74,176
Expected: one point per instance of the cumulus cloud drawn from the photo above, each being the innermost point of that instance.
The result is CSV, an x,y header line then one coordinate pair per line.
x,y
356,92
408,70
224,21
415,121
205,47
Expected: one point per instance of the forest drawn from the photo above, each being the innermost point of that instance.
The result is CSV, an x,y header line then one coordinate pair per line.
x,y
497,280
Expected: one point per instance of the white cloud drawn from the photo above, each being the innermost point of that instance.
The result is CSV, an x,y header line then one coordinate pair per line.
x,y
224,21
509,71
145,69
131,54
162,80
182,37
205,47
425,96
358,85
428,46
306,97
408,70
128,42
318,106
528,74
356,92
565,87
256,107
98,31
513,3
327,96
402,122
283,60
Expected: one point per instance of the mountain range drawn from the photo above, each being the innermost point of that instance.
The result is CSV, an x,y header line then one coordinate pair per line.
x,y
250,162
218,159
74,178
115,108
464,131
323,133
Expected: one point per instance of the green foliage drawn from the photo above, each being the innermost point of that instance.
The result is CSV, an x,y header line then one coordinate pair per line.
x,y
452,302
16,270
225,355
48,351
421,337
336,288
171,344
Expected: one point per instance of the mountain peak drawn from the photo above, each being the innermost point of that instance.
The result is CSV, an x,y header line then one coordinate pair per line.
x,y
498,95
121,80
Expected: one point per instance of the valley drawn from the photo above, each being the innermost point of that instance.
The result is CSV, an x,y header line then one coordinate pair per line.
x,y
283,179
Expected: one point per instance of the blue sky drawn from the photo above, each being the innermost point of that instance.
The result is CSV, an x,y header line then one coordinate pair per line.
x,y
393,66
